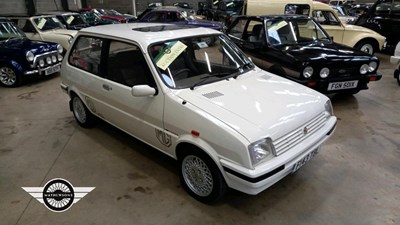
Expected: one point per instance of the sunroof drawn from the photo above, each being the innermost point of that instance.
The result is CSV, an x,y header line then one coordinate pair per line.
x,y
162,28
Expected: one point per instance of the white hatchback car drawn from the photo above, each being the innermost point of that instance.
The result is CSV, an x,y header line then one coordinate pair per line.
x,y
395,59
227,122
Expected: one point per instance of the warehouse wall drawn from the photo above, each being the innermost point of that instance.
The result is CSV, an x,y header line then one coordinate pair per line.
x,y
125,6
12,7
15,7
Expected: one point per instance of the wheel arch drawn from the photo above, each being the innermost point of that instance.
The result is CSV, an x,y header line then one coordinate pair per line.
x,y
187,142
373,41
16,66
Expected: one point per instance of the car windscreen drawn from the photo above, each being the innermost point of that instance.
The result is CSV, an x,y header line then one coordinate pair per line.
x,y
294,31
73,19
9,30
48,23
194,61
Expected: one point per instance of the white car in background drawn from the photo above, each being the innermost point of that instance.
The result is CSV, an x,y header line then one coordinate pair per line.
x,y
227,122
44,28
396,60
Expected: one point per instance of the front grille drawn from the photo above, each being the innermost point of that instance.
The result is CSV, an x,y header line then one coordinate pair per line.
x,y
44,56
293,138
344,69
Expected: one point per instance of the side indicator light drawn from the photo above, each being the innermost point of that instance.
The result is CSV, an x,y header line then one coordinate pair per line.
x,y
195,133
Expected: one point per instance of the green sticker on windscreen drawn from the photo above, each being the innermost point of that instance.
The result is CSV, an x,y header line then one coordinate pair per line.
x,y
169,53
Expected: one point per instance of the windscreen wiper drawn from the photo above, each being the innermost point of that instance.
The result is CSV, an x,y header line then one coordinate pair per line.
x,y
204,79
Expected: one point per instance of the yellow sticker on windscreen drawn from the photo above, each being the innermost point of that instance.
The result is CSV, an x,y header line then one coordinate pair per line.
x,y
70,19
169,53
41,23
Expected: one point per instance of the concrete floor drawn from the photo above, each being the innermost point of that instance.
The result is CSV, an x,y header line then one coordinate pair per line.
x,y
355,179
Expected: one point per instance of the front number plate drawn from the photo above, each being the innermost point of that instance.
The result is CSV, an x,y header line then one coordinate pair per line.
x,y
52,70
342,85
303,161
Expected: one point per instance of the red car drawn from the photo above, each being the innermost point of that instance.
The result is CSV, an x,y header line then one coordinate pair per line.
x,y
104,14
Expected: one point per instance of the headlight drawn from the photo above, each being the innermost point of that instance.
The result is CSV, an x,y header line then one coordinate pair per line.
x,y
59,57
261,150
308,71
29,56
324,73
70,40
48,60
372,66
41,63
54,59
364,69
328,107
60,49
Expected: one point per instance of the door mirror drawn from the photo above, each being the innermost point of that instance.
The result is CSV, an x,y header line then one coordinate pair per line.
x,y
143,91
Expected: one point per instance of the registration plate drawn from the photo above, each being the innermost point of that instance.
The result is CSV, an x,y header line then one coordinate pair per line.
x,y
52,70
303,161
342,85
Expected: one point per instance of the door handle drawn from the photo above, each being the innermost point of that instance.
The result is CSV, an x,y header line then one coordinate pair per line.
x,y
106,87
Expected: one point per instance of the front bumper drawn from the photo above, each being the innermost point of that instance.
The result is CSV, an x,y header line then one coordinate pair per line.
x,y
44,71
268,173
321,85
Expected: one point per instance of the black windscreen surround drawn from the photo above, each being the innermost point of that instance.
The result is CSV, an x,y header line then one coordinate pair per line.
x,y
162,28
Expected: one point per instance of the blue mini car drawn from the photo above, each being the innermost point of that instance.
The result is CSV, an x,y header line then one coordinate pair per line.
x,y
21,57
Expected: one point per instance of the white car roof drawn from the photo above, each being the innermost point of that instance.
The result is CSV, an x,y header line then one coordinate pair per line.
x,y
147,33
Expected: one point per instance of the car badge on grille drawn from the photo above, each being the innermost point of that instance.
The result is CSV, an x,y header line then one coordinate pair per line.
x,y
305,130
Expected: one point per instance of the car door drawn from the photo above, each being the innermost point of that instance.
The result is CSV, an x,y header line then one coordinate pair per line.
x,y
85,56
331,25
142,117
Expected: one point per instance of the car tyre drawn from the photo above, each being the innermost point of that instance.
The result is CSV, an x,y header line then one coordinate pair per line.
x,y
9,77
397,75
366,46
201,177
81,113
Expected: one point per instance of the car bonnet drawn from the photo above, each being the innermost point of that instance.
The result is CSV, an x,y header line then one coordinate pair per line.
x,y
257,104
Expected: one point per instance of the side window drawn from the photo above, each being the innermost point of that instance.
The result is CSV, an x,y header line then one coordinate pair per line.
x,y
325,18
86,54
153,17
383,8
297,9
255,31
126,65
237,30
25,25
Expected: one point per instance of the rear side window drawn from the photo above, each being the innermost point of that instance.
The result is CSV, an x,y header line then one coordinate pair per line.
x,y
24,24
86,54
299,9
